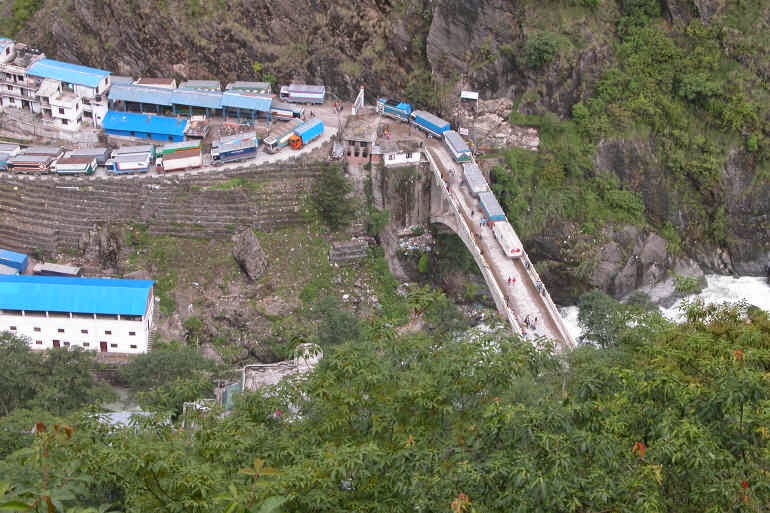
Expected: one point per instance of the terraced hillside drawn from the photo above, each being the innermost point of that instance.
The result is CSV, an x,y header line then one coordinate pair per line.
x,y
48,215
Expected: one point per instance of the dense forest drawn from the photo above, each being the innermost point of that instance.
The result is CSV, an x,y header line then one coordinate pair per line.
x,y
651,417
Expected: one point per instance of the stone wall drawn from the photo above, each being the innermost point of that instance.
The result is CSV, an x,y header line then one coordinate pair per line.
x,y
48,214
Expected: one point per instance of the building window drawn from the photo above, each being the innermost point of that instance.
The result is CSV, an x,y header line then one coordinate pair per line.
x,y
85,332
12,328
65,122
114,346
61,110
60,330
391,157
10,88
86,344
107,332
66,344
131,333
36,329
133,346
408,155
38,342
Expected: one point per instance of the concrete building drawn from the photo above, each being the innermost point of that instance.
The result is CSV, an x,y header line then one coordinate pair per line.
x,y
145,126
17,89
96,314
71,94
400,153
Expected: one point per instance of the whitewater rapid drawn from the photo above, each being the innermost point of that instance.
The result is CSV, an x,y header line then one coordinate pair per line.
x,y
719,289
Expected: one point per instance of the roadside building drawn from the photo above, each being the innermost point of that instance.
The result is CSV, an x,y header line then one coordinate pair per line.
x,y
261,88
144,126
196,102
245,105
137,98
97,314
201,85
14,260
400,153
164,83
359,136
70,93
17,89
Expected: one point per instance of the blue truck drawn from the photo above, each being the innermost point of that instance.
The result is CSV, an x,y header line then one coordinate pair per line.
x,y
394,109
492,209
234,148
457,146
306,132
433,125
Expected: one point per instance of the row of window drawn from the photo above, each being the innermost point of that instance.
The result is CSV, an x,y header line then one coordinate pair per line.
x,y
84,332
59,343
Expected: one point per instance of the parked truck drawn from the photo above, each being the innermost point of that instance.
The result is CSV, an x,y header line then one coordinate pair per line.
x,y
286,111
280,135
303,93
433,125
457,146
82,165
234,148
306,132
181,159
394,109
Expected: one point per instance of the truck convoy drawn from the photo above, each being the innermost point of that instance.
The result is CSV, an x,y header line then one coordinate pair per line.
x,y
280,136
394,109
234,148
457,146
286,111
302,93
306,132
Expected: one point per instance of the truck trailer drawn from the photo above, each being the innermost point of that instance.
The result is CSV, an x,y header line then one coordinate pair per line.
x,y
234,148
508,240
84,165
37,164
474,179
306,132
170,148
101,154
286,111
433,125
492,209
303,93
457,146
180,159
394,109
280,136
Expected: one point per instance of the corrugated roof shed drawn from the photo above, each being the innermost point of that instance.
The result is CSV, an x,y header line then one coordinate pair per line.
x,y
141,94
201,85
77,295
147,123
13,259
254,87
168,83
121,80
246,101
67,72
193,98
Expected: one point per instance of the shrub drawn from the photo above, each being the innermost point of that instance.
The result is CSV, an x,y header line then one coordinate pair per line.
x,y
541,48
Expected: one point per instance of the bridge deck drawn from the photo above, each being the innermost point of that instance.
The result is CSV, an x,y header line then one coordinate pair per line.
x,y
522,295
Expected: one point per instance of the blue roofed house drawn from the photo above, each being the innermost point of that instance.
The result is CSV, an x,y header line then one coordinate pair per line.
x,y
144,126
17,262
71,94
97,314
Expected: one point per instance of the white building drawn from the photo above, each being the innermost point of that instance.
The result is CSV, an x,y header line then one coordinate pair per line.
x,y
70,94
400,153
17,90
97,314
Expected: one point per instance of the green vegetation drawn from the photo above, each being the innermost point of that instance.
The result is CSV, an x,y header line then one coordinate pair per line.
x,y
238,182
663,418
20,12
541,48
330,197
686,285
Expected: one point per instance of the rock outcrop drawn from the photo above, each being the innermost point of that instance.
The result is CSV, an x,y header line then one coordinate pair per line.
x,y
248,253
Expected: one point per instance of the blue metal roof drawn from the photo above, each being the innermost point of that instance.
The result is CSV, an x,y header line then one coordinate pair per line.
x,y
67,72
203,99
132,122
77,295
13,259
141,94
246,101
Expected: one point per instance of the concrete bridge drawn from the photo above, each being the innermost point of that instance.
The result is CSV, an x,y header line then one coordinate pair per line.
x,y
517,290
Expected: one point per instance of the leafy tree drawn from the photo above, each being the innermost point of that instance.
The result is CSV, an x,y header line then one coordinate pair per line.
x,y
171,396
17,368
165,363
337,324
541,48
330,197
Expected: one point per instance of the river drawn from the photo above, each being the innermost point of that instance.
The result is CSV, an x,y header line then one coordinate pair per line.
x,y
719,289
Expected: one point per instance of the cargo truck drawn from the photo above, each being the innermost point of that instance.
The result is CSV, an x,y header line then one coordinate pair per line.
x,y
303,93
394,109
83,165
506,237
180,159
306,132
286,111
234,148
491,207
280,135
433,125
474,179
100,154
167,149
457,146
30,164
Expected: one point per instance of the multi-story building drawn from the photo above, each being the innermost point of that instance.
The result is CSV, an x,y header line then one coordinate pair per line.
x,y
17,89
71,94
97,314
